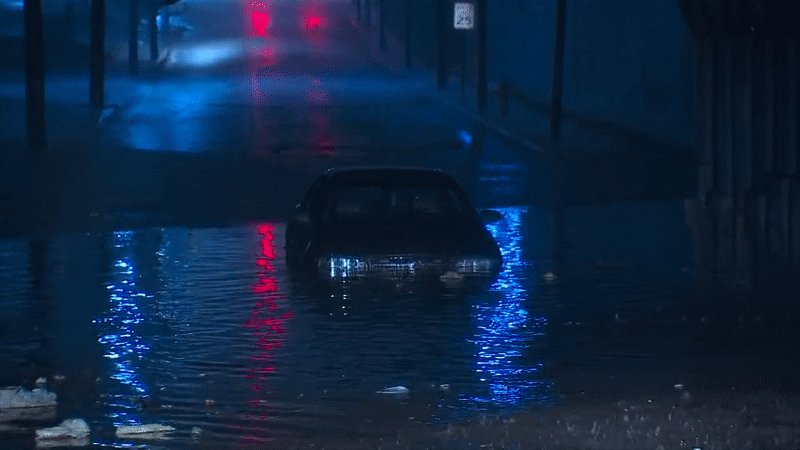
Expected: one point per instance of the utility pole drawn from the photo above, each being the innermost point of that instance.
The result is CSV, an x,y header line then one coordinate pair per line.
x,y
97,69
133,37
166,14
482,77
408,22
34,76
152,23
382,25
441,41
558,70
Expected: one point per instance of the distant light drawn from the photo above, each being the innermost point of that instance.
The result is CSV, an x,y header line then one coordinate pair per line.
x,y
313,22
208,54
465,137
260,21
14,4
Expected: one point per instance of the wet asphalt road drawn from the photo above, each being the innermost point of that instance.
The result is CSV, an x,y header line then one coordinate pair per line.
x,y
151,274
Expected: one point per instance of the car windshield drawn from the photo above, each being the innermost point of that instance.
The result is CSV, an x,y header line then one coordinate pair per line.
x,y
370,203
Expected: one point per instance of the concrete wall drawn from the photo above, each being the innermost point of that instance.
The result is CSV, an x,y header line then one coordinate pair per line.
x,y
627,62
747,214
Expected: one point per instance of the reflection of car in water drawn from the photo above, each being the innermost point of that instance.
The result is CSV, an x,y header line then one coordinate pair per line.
x,y
390,223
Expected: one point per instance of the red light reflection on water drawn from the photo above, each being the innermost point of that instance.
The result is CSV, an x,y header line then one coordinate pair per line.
x,y
322,137
268,326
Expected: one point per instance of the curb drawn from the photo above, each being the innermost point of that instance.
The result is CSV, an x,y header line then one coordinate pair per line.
x,y
492,125
383,60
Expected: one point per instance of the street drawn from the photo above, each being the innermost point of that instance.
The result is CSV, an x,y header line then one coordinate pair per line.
x,y
142,270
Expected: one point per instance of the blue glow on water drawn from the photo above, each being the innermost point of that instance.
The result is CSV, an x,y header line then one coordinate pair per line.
x,y
119,334
506,328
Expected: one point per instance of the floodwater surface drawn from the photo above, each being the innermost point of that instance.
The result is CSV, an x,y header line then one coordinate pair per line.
x,y
204,330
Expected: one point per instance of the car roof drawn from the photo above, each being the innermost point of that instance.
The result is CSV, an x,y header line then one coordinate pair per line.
x,y
384,174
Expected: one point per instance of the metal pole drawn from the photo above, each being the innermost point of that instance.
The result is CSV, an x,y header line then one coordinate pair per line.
x,y
382,25
98,54
482,76
69,19
152,22
133,37
441,38
166,14
408,13
34,75
558,70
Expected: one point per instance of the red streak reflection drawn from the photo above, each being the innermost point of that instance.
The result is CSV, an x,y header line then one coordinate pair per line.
x,y
268,326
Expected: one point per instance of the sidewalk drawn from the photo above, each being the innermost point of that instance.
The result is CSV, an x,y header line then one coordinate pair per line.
x,y
70,120
61,183
592,161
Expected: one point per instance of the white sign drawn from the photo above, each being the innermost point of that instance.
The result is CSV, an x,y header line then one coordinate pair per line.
x,y
464,17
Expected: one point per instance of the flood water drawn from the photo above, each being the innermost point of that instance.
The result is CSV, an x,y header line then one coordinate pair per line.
x,y
204,328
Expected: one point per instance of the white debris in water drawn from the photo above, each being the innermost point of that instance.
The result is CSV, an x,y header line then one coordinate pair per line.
x,y
678,387
394,390
68,429
143,431
549,276
444,387
63,443
41,381
17,397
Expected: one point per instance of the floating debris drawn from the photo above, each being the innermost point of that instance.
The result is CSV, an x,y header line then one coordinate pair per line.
x,y
444,387
68,429
62,443
146,431
394,390
549,276
17,397
41,381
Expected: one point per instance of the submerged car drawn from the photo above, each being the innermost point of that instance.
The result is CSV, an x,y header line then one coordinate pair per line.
x,y
390,222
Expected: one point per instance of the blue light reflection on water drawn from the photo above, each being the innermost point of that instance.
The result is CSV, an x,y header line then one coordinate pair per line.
x,y
124,346
506,328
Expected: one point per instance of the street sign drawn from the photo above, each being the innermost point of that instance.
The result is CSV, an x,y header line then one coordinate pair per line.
x,y
464,16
